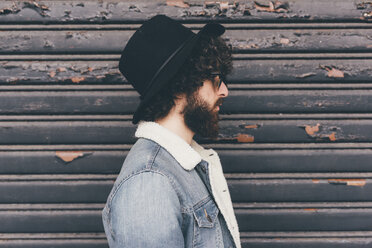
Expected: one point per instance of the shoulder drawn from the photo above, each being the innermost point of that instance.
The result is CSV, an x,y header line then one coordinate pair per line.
x,y
142,185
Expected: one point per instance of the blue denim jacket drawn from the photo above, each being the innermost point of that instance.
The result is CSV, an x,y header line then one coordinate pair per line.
x,y
169,194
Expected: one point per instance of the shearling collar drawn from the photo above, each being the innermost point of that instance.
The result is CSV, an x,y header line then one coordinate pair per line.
x,y
188,156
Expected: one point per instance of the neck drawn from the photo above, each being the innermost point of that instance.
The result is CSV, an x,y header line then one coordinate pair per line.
x,y
174,122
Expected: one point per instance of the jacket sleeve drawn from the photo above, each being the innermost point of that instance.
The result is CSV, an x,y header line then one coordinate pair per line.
x,y
146,212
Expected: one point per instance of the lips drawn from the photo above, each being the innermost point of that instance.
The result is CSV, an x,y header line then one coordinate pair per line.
x,y
218,104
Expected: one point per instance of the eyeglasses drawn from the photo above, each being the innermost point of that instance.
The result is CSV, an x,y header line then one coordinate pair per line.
x,y
220,79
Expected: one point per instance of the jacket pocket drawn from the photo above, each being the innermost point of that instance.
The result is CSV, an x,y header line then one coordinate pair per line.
x,y
206,214
207,229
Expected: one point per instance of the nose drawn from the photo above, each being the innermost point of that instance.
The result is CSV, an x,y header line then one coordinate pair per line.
x,y
223,91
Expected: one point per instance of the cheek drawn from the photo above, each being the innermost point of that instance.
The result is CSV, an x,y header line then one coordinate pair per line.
x,y
207,92
209,98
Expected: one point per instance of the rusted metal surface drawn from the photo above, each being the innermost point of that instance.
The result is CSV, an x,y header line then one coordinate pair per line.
x,y
295,160
57,221
300,190
119,132
242,39
62,72
348,182
240,159
295,140
308,239
283,242
136,11
300,70
293,131
297,101
301,220
88,189
53,190
44,240
68,156
92,162
263,70
264,102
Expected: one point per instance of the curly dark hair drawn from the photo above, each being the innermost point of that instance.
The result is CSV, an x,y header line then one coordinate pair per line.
x,y
210,54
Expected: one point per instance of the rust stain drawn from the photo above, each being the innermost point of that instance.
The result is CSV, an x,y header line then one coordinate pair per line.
x,y
284,41
367,15
61,69
245,138
332,136
90,69
315,180
310,209
276,7
369,46
77,79
68,156
333,72
348,182
310,130
251,126
225,6
52,74
177,3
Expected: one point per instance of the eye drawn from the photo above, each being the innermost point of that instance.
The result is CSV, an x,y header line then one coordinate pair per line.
x,y
217,79
215,82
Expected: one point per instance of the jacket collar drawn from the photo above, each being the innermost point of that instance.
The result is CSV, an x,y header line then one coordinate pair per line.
x,y
188,156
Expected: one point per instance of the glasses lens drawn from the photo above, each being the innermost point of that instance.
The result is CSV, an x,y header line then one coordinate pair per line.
x,y
220,79
219,82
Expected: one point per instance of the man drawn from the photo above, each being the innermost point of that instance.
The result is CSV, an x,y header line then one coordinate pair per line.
x,y
171,192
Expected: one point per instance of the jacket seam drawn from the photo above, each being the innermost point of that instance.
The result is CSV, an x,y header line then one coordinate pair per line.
x,y
154,153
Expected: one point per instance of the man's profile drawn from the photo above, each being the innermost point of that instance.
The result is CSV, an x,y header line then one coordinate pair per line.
x,y
171,192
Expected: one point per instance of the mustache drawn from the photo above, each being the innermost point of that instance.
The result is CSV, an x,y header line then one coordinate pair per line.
x,y
218,102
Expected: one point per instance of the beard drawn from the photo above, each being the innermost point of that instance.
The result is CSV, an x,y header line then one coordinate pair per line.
x,y
200,117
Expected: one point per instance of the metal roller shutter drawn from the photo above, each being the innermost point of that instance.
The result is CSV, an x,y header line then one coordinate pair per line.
x,y
296,134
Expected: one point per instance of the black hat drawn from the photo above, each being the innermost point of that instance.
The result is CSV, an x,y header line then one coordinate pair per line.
x,y
155,53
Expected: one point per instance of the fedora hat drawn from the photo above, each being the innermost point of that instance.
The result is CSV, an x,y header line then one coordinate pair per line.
x,y
155,52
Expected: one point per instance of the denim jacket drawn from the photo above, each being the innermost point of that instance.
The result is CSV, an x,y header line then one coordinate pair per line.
x,y
169,194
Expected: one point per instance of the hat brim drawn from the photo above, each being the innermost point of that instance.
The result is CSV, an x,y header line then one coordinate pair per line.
x,y
170,68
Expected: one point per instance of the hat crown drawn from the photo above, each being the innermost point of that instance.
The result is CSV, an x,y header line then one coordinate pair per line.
x,y
149,48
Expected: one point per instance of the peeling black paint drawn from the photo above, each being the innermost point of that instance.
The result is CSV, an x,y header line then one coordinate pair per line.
x,y
40,8
134,11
